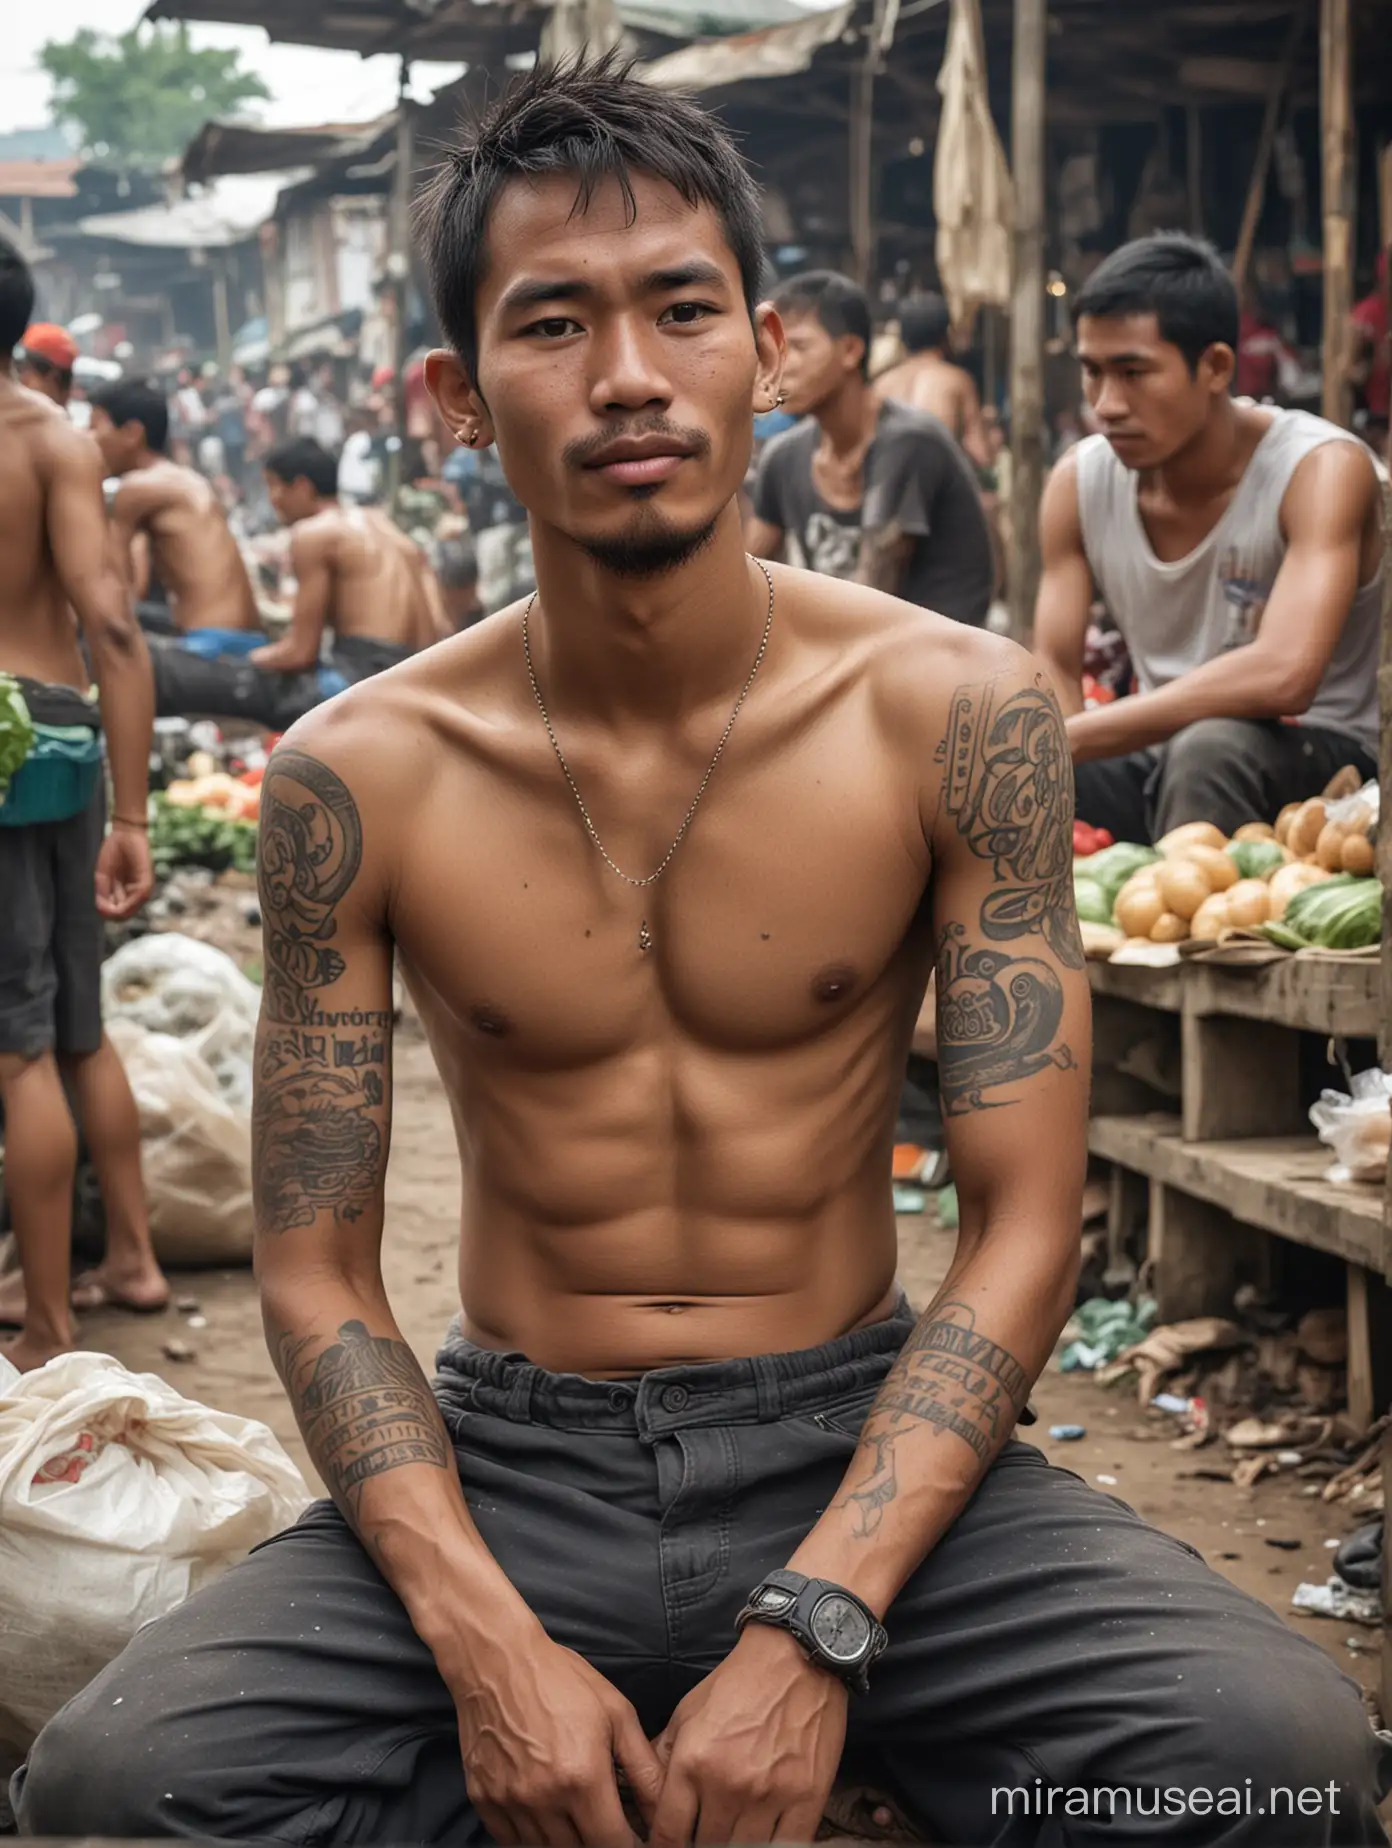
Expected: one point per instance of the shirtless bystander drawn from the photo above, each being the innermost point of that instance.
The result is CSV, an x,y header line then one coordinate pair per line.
x,y
61,871
929,381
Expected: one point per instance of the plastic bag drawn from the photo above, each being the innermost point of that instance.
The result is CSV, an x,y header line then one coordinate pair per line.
x,y
1366,800
1357,1128
195,1150
118,1498
173,984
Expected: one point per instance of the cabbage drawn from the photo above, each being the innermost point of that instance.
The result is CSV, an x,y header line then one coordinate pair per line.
x,y
1255,859
1094,906
16,731
1341,913
1111,869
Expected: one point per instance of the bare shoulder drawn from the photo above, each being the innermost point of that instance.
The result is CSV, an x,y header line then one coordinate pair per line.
x,y
1335,488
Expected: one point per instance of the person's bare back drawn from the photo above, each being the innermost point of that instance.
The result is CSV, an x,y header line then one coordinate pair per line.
x,y
377,575
38,634
928,382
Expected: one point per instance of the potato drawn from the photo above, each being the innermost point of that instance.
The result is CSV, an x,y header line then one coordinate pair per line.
x,y
1169,928
1307,824
1192,834
1217,867
1284,820
1249,903
1255,831
1329,848
1357,855
1138,906
1211,919
1287,881
1183,886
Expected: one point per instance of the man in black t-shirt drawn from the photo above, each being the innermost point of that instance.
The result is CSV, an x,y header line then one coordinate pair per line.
x,y
861,489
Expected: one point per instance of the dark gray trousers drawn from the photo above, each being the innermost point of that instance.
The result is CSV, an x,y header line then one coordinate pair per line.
x,y
1226,771
1051,1643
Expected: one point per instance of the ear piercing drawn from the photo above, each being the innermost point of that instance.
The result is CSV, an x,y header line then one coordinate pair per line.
x,y
778,401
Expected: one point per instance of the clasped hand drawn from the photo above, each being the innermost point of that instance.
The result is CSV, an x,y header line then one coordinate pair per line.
x,y
748,1756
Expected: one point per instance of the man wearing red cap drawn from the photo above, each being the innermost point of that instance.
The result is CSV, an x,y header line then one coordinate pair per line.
x,y
48,353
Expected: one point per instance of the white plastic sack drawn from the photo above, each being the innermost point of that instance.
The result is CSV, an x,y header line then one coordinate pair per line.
x,y
118,1498
1357,1128
174,984
195,1150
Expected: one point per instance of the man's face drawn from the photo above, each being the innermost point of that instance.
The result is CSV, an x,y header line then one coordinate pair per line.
x,y
119,444
618,371
818,363
290,500
50,381
1147,402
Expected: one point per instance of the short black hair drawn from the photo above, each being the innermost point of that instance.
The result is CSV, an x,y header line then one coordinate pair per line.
x,y
596,120
838,303
302,457
925,321
16,297
136,401
456,562
1179,279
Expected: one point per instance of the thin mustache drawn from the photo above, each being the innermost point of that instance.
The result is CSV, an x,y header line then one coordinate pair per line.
x,y
580,452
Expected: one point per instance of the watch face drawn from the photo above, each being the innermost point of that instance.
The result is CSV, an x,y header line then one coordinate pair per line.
x,y
840,1628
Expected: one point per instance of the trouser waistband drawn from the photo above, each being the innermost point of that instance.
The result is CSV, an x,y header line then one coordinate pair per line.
x,y
758,1390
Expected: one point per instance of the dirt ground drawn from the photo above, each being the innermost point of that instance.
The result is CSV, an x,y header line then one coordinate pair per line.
x,y
1241,1533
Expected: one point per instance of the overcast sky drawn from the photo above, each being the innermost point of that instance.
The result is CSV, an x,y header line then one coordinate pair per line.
x,y
306,85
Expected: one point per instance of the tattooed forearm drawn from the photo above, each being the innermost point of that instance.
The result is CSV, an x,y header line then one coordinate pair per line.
x,y
310,849
883,559
949,1378
1010,790
998,1021
319,1122
364,1407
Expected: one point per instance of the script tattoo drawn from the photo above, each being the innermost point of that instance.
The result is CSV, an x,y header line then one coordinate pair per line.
x,y
310,849
949,1377
1010,791
998,1018
364,1407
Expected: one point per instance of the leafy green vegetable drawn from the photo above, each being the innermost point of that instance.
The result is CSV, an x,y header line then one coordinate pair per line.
x,y
1111,869
1341,913
1094,907
1255,859
16,731
199,837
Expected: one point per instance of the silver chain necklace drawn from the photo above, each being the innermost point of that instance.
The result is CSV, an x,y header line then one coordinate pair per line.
x,y
645,940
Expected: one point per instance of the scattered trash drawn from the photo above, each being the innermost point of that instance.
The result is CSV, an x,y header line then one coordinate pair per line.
x,y
1336,1599
1108,1481
1358,1128
1322,1336
1358,1561
1166,1350
1100,1329
949,1214
188,1305
1169,1402
1286,1546
1067,1434
1288,1459
1254,1434
198,1321
178,1350
909,1199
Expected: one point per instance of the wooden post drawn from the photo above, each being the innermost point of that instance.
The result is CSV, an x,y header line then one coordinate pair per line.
x,y
222,321
1027,154
1266,141
1339,177
399,269
861,150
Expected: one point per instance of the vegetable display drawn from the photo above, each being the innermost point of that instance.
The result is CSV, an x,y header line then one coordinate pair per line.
x,y
183,835
16,730
1340,913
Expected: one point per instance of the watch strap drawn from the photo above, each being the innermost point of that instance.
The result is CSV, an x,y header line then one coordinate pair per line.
x,y
788,1600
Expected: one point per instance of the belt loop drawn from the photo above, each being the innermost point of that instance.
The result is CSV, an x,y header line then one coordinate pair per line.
x,y
519,1407
768,1387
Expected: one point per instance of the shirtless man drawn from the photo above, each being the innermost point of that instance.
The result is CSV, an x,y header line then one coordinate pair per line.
x,y
1238,548
929,381
356,573
47,365
676,1369
60,875
167,518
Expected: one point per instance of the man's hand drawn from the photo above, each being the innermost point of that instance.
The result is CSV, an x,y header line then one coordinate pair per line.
x,y
125,873
752,1753
540,1732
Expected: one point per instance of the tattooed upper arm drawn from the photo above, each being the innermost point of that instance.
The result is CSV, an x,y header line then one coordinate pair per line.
x,y
323,1067
1005,918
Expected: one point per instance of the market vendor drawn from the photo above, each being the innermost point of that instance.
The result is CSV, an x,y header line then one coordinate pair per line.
x,y
1237,547
168,520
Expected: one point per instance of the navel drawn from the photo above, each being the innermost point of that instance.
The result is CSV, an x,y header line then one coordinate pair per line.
x,y
833,983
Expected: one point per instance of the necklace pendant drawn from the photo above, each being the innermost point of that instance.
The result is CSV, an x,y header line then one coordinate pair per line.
x,y
645,941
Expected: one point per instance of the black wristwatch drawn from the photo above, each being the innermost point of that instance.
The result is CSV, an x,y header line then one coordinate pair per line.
x,y
836,1630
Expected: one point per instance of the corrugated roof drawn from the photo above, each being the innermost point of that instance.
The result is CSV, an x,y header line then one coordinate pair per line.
x,y
39,179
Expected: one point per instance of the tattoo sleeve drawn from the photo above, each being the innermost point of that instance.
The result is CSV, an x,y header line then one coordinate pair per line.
x,y
1009,790
949,1378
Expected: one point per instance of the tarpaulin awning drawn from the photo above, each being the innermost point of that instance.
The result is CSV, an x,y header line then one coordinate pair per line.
x,y
39,179
973,198
776,51
227,213
221,148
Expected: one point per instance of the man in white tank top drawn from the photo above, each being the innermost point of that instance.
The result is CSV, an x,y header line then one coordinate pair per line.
x,y
1238,549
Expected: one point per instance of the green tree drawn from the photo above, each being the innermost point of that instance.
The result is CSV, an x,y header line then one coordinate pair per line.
x,y
143,96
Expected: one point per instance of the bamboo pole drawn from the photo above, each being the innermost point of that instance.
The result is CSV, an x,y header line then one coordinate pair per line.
x,y
399,270
1266,142
1027,156
1339,178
